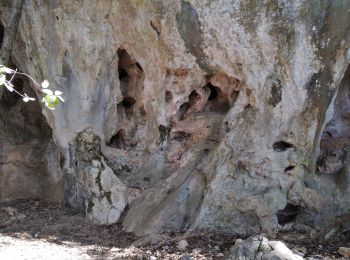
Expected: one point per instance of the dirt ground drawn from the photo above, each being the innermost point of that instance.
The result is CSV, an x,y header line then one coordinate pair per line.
x,y
40,230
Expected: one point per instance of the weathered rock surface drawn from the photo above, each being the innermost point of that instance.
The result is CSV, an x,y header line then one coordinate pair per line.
x,y
259,248
344,251
29,159
195,114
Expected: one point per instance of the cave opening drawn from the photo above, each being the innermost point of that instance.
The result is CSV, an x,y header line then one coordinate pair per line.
x,y
123,75
124,63
185,107
289,214
217,100
25,134
118,140
213,91
182,111
128,102
289,168
168,96
282,146
131,112
131,77
180,136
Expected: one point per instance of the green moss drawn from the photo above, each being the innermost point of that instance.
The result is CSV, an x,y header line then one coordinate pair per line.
x,y
87,145
163,133
303,159
90,206
139,3
98,181
126,168
108,196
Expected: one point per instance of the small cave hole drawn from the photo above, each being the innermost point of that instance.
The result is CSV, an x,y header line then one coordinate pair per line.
x,y
181,136
123,75
139,66
168,96
124,63
192,99
128,102
227,127
288,214
193,96
118,140
62,160
213,91
217,100
282,146
182,110
289,168
130,73
125,59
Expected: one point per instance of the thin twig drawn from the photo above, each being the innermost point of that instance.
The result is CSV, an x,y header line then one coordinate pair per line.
x,y
21,73
13,75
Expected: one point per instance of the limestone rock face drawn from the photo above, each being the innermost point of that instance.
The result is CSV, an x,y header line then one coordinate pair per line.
x,y
198,114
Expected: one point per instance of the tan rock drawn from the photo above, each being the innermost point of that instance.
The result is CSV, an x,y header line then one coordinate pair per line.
x,y
344,251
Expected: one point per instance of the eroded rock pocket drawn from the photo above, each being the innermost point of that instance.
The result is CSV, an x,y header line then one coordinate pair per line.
x,y
30,165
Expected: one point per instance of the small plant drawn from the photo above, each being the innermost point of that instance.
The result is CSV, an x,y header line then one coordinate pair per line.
x,y
51,98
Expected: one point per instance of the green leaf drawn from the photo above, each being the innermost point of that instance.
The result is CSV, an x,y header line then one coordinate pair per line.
x,y
52,99
50,106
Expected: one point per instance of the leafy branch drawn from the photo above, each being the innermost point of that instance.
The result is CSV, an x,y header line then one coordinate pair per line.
x,y
51,98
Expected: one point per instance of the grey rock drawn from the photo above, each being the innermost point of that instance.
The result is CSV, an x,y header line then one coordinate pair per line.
x,y
182,245
259,247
